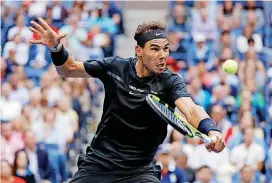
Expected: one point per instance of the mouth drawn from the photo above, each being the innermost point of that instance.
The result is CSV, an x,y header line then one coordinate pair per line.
x,y
161,66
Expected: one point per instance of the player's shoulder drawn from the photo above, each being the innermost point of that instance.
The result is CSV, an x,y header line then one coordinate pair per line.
x,y
169,75
117,60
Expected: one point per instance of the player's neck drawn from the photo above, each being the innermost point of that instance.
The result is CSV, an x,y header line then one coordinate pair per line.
x,y
141,70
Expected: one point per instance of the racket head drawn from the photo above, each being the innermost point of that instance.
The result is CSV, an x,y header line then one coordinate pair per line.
x,y
169,115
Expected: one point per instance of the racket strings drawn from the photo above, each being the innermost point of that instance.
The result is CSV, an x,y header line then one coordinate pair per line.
x,y
170,115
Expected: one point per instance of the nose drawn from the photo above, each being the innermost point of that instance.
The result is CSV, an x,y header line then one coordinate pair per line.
x,y
162,54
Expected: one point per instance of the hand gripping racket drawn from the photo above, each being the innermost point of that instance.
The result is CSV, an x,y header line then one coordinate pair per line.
x,y
170,116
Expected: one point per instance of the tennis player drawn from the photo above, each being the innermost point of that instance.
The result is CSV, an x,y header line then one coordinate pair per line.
x,y
129,134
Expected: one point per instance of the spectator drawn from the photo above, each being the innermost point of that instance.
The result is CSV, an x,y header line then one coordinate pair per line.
x,y
218,114
176,50
179,21
181,161
67,114
10,140
252,68
39,163
37,9
246,174
20,29
89,51
199,95
114,12
203,21
204,175
4,70
173,65
200,156
7,173
59,12
229,15
225,41
21,167
250,10
105,23
19,48
50,130
200,51
75,34
248,153
242,40
169,172
10,109
18,92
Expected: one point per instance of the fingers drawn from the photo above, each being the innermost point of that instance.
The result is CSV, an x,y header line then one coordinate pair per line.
x,y
44,24
60,36
36,41
38,27
213,141
222,146
208,147
219,145
35,31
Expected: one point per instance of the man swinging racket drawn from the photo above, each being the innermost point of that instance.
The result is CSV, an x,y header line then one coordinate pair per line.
x,y
130,132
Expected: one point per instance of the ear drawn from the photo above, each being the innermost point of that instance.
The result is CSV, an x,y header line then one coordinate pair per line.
x,y
138,51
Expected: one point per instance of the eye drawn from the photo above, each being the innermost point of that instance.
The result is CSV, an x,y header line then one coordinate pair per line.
x,y
155,49
166,49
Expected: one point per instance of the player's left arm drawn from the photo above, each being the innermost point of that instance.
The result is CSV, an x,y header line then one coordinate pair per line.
x,y
197,116
194,114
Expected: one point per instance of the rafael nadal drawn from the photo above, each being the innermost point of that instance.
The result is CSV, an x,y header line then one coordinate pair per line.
x,y
129,134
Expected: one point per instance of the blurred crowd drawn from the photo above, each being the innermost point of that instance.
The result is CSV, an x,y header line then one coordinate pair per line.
x,y
46,119
202,36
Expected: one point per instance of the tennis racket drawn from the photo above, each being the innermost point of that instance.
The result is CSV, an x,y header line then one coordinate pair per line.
x,y
170,116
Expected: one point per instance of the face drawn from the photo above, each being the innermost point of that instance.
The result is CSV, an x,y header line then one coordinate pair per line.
x,y
246,120
5,90
21,161
50,116
226,39
196,84
164,159
204,175
6,130
154,55
247,174
228,5
64,104
29,140
181,161
248,135
217,113
6,170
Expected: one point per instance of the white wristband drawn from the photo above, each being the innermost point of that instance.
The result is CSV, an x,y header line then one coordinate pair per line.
x,y
56,48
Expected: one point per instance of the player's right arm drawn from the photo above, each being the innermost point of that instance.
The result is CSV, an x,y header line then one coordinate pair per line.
x,y
66,66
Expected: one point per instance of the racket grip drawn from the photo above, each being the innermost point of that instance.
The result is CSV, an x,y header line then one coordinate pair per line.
x,y
207,140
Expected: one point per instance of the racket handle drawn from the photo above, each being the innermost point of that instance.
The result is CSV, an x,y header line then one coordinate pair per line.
x,y
207,140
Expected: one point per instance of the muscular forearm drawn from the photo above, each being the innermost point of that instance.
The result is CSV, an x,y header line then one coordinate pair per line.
x,y
196,115
66,66
64,69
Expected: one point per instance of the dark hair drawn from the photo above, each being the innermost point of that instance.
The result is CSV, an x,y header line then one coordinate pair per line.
x,y
16,158
224,32
203,167
146,27
250,40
